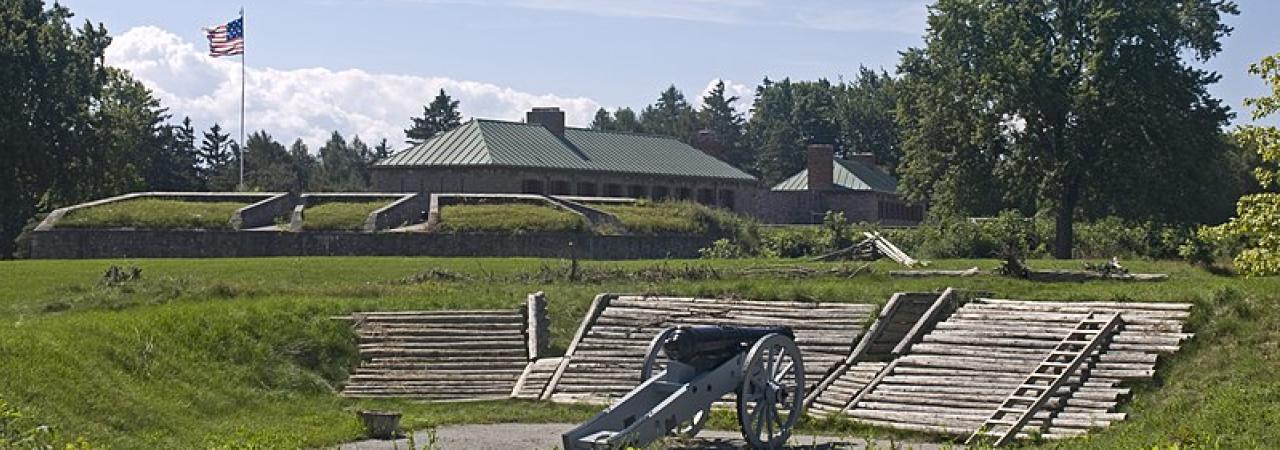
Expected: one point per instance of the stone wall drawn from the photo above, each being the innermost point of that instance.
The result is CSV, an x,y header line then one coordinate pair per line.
x,y
85,243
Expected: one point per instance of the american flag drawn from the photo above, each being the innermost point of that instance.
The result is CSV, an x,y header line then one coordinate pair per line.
x,y
226,40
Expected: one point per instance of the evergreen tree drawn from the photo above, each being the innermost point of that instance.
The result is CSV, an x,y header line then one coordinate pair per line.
x,y
341,168
671,116
440,116
603,121
726,123
625,120
780,150
303,165
268,165
381,151
216,160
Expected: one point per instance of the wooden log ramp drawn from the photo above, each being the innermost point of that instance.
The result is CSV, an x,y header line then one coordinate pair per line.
x,y
447,355
603,361
1014,369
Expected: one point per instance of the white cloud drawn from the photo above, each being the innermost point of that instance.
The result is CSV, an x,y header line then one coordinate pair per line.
x,y
309,103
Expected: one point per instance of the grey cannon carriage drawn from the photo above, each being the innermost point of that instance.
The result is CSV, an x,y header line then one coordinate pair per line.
x,y
703,364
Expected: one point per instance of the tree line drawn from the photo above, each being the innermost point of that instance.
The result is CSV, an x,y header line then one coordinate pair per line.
x,y
1048,108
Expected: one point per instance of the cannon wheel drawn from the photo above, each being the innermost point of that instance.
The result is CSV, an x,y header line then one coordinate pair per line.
x,y
692,427
772,393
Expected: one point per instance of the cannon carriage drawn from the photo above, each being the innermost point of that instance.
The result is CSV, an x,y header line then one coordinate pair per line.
x,y
687,369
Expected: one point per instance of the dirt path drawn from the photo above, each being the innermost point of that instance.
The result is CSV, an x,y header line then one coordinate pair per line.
x,y
546,436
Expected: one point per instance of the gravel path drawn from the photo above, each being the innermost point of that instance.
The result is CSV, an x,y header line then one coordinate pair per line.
x,y
546,436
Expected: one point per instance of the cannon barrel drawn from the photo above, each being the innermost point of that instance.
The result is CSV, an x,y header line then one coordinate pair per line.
x,y
707,346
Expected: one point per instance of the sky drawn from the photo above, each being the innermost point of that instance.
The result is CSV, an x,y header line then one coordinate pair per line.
x,y
363,67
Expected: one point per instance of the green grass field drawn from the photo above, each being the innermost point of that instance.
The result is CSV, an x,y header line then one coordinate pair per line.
x,y
241,353
153,213
507,218
344,216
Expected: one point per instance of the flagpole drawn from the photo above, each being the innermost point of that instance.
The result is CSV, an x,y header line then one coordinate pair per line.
x,y
242,142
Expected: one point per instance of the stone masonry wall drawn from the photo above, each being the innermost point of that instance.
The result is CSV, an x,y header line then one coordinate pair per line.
x,y
84,243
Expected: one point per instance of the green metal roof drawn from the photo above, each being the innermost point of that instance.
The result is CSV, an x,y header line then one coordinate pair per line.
x,y
850,175
482,142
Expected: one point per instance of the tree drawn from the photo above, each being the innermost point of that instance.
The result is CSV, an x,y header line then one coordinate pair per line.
x,y
1089,102
52,76
341,166
216,158
268,166
603,121
719,116
865,113
671,115
381,151
1256,226
625,120
440,116
303,165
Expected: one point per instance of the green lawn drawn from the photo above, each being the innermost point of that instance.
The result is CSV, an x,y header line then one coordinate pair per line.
x,y
153,213
507,218
345,216
241,352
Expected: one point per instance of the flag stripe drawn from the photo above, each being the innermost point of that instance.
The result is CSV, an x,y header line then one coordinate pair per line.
x,y
227,39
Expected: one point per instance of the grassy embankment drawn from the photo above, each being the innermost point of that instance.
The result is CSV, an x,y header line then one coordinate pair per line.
x,y
342,216
507,218
239,352
664,217
150,213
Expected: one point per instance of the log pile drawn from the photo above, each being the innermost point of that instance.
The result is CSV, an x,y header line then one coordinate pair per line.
x,y
439,355
872,247
953,379
603,362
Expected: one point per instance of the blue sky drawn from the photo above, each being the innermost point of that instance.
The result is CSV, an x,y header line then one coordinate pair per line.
x,y
364,66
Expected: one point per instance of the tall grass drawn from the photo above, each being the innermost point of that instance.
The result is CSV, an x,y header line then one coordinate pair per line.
x,y
344,216
150,213
508,218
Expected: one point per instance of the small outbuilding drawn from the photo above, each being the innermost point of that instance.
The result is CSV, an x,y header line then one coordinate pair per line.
x,y
857,186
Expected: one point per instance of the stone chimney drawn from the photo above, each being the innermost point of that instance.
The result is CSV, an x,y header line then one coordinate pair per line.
x,y
820,160
707,141
867,159
551,118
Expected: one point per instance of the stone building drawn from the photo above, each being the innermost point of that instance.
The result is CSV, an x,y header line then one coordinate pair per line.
x,y
543,156
856,186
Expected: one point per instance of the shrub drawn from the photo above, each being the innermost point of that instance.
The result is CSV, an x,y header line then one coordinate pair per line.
x,y
150,213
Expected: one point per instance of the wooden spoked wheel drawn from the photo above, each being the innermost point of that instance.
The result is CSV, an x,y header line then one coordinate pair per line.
x,y
653,364
772,392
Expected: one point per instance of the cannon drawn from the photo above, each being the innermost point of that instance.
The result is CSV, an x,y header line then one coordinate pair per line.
x,y
688,369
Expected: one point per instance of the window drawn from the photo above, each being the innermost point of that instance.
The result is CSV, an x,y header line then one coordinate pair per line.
x,y
707,196
661,192
636,191
531,187
587,189
612,190
559,187
726,198
684,194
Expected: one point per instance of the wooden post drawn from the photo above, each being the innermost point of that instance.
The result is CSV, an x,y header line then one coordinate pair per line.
x,y
537,325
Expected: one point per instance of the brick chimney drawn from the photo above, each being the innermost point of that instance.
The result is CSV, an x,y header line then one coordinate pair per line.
x,y
820,160
867,159
551,118
707,141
